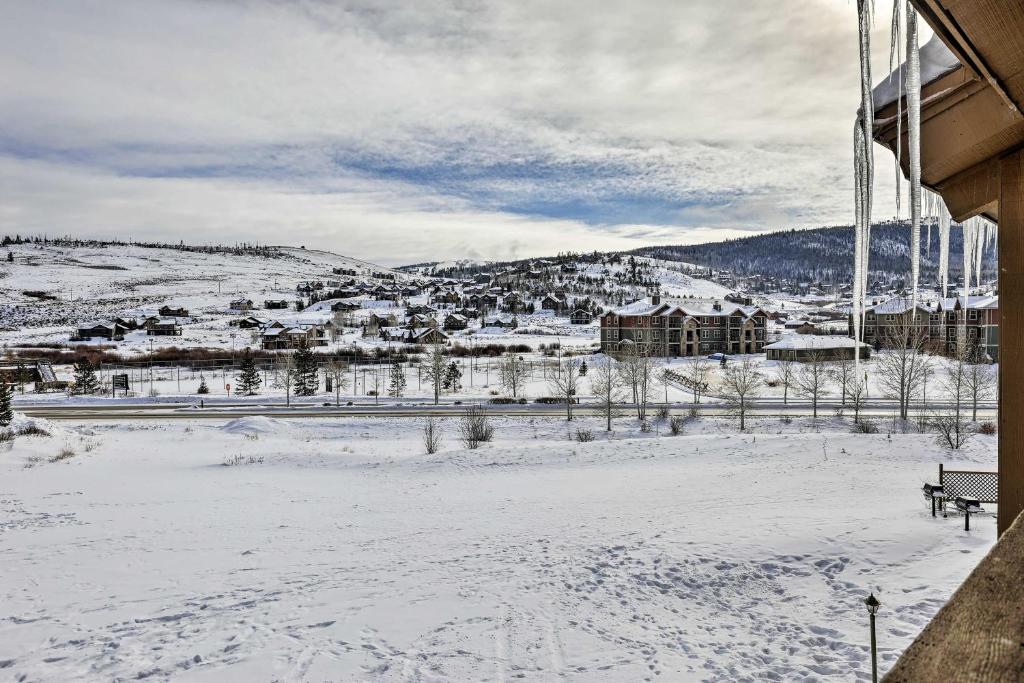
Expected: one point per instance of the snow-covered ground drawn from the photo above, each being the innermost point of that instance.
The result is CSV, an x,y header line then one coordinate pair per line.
x,y
336,550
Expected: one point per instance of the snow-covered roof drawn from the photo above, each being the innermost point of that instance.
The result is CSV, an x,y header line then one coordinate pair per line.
x,y
692,307
936,61
975,302
899,304
814,342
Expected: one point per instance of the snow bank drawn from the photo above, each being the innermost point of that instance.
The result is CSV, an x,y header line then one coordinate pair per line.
x,y
252,425
21,422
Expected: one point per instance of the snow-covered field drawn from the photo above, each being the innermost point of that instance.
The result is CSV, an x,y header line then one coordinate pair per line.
x,y
336,551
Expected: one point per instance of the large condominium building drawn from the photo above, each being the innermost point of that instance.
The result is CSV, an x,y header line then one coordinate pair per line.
x,y
684,327
936,325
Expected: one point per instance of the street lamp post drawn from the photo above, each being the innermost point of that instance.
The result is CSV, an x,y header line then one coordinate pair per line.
x,y
872,603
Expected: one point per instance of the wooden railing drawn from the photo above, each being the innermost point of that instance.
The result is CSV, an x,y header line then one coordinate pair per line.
x,y
979,634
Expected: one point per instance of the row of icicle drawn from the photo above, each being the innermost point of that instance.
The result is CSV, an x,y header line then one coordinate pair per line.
x,y
978,233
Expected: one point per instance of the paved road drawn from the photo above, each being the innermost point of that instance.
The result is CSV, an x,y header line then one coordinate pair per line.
x,y
220,411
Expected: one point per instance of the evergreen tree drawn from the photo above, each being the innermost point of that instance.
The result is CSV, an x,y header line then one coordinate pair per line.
x,y
6,415
249,377
203,389
85,378
452,378
583,369
397,386
305,380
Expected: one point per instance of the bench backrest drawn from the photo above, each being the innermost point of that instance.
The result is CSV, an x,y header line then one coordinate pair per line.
x,y
984,486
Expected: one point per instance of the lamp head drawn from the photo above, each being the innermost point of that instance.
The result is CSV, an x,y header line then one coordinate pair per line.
x,y
872,603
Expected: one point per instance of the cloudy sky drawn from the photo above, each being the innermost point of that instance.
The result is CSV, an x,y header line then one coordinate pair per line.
x,y
402,131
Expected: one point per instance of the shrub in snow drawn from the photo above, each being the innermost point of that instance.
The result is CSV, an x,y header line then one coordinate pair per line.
x,y
65,453
645,426
987,428
431,436
32,430
865,427
675,425
203,389
6,436
662,412
584,435
475,427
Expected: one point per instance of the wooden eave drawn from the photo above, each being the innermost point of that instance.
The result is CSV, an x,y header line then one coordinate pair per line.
x,y
971,116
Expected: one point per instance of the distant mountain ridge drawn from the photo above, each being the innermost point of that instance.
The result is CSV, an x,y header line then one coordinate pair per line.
x,y
823,255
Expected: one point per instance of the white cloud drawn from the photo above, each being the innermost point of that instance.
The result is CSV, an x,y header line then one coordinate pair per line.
x,y
334,123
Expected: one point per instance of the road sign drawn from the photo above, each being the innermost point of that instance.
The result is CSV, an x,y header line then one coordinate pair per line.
x,y
119,382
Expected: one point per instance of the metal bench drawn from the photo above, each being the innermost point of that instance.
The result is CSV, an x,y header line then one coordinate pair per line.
x,y
968,506
936,492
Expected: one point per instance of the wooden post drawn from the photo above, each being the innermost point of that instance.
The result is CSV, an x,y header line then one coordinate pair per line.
x,y
1011,341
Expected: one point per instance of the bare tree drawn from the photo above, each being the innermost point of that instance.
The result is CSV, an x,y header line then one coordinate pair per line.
x,y
981,379
857,391
950,424
844,373
697,372
636,369
741,383
285,362
435,369
903,366
565,383
431,436
787,377
337,370
475,428
512,373
607,387
812,379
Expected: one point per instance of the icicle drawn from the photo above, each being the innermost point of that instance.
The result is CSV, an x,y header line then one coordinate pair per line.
x,y
914,147
979,249
944,219
895,58
864,175
929,218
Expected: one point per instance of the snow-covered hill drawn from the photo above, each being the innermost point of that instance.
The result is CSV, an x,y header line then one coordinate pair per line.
x,y
58,285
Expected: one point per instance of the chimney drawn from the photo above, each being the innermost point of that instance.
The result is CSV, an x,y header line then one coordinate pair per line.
x,y
655,298
717,306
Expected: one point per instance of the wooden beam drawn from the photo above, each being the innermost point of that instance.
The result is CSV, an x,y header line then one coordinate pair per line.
x,y
972,191
1011,338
